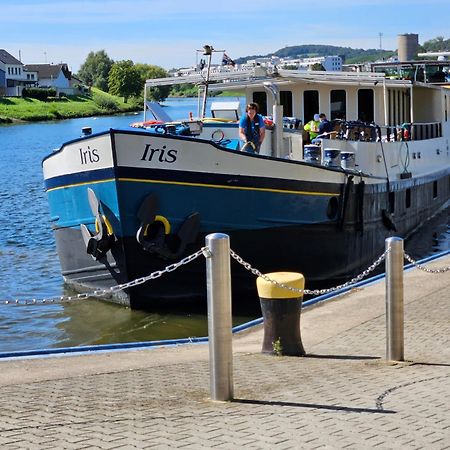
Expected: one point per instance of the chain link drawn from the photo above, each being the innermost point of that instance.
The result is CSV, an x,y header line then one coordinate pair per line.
x,y
103,292
308,291
426,269
206,252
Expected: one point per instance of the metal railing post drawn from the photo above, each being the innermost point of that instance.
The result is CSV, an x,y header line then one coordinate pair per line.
x,y
218,281
394,299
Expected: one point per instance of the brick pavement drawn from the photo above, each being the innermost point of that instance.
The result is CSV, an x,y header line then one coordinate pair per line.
x,y
342,395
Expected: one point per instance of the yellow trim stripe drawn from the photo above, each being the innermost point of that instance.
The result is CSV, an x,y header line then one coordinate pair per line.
x,y
80,184
242,188
179,183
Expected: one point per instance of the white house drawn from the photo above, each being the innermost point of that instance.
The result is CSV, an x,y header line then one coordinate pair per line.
x,y
56,76
12,75
329,63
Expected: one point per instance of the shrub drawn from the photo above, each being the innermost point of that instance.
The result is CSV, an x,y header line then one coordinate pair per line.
x,y
136,102
39,93
105,102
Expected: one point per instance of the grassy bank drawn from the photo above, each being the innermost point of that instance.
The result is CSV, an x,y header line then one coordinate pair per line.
x,y
96,104
231,94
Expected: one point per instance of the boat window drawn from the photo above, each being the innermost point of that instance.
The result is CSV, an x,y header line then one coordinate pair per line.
x,y
435,189
365,105
310,105
338,105
260,98
286,101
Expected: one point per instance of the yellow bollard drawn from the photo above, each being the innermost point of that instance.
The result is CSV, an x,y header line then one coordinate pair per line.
x,y
281,310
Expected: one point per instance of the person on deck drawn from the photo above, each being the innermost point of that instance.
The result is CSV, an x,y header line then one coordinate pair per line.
x,y
325,128
252,129
312,127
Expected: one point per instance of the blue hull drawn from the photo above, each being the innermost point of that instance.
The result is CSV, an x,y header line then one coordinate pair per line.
x,y
327,231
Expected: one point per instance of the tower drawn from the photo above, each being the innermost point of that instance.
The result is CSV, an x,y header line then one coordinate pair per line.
x,y
407,46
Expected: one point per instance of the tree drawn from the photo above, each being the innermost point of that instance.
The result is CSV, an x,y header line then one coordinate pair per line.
x,y
148,71
124,80
317,67
438,44
95,70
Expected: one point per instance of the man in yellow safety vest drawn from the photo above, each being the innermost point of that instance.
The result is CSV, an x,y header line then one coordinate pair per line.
x,y
312,127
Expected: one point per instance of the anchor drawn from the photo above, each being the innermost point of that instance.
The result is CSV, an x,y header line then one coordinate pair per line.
x,y
154,232
98,244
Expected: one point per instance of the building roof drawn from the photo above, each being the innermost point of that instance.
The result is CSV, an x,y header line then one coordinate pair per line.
x,y
46,71
7,58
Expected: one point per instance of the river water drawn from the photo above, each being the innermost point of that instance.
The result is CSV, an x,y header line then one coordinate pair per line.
x,y
30,267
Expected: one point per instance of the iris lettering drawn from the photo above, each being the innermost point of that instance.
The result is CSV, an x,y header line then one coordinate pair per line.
x,y
89,155
160,154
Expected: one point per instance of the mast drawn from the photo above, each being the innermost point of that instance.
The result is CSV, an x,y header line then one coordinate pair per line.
x,y
208,49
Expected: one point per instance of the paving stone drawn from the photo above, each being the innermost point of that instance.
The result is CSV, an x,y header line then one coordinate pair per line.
x,y
341,395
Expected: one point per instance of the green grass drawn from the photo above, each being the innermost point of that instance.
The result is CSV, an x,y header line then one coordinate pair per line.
x,y
231,94
97,103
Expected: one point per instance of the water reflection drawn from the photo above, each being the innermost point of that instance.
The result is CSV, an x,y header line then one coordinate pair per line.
x,y
432,237
96,322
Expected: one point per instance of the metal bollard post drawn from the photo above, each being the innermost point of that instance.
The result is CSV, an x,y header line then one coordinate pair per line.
x,y
394,299
218,281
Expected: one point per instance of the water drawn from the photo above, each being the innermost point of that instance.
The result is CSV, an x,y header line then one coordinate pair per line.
x,y
30,267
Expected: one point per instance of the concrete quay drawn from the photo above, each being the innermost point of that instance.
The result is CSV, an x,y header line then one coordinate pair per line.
x,y
343,394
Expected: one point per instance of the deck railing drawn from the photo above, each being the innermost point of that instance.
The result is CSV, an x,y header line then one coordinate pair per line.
x,y
360,131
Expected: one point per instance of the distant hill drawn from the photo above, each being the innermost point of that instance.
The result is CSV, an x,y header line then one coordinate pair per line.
x,y
349,55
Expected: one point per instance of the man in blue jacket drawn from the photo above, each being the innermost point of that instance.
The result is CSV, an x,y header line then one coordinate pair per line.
x,y
252,129
325,128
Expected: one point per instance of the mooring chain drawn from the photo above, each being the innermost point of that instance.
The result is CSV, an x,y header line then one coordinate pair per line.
x,y
206,252
314,291
426,269
116,288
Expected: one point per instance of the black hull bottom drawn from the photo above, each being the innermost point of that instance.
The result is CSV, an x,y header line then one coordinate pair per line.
x,y
326,254
323,254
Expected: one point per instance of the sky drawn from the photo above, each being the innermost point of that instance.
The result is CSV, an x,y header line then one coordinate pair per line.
x,y
168,33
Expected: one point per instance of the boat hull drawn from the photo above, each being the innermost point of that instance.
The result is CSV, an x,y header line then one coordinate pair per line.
x,y
326,223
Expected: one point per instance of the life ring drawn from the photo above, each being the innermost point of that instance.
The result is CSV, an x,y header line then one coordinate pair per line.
x,y
161,219
160,129
151,122
217,135
147,123
109,228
